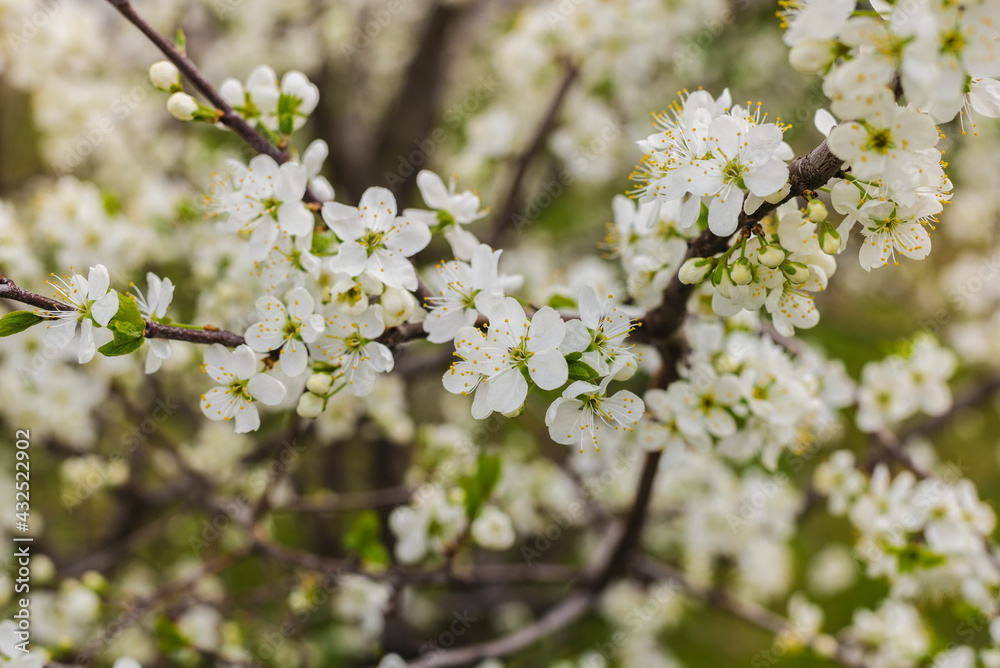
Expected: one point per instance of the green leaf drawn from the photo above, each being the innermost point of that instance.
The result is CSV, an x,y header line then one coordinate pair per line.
x,y
581,371
128,327
18,321
129,312
170,637
181,41
122,345
561,301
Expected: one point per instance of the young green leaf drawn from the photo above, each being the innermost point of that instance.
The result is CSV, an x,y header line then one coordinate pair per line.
x,y
18,321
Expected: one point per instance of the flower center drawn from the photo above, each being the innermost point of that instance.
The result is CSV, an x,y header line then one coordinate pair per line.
x,y
372,241
879,141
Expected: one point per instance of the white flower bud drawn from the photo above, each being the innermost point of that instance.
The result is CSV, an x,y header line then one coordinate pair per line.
x,y
182,106
795,272
320,383
816,211
694,270
398,306
310,406
164,75
742,271
829,239
812,55
627,371
772,257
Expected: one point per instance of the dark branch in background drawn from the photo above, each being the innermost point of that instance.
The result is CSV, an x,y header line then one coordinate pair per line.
x,y
229,116
413,112
503,219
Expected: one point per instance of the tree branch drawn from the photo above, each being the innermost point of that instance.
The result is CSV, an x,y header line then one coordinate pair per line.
x,y
805,173
502,221
229,117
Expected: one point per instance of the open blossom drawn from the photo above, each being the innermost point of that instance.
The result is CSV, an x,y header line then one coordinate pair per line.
x,y
814,20
93,303
453,211
154,307
496,362
600,333
241,386
586,414
265,200
348,343
464,290
260,99
883,146
287,330
743,154
375,240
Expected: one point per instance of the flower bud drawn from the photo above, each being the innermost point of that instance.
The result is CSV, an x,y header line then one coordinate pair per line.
x,y
398,306
795,272
310,406
742,271
627,371
771,256
320,383
816,211
165,75
812,55
694,270
829,239
182,106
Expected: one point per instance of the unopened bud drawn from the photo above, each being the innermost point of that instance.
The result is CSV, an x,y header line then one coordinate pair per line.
x,y
182,106
398,306
771,256
816,211
795,272
165,76
310,405
829,239
742,271
695,269
320,383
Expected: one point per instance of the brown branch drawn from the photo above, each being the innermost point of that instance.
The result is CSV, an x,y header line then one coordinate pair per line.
x,y
338,502
230,117
805,173
562,615
503,220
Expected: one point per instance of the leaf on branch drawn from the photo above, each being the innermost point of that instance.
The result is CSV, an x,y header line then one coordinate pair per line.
x,y
479,487
18,321
128,327
579,370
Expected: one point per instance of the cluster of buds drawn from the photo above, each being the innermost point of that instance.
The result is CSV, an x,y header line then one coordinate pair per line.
x,y
165,76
